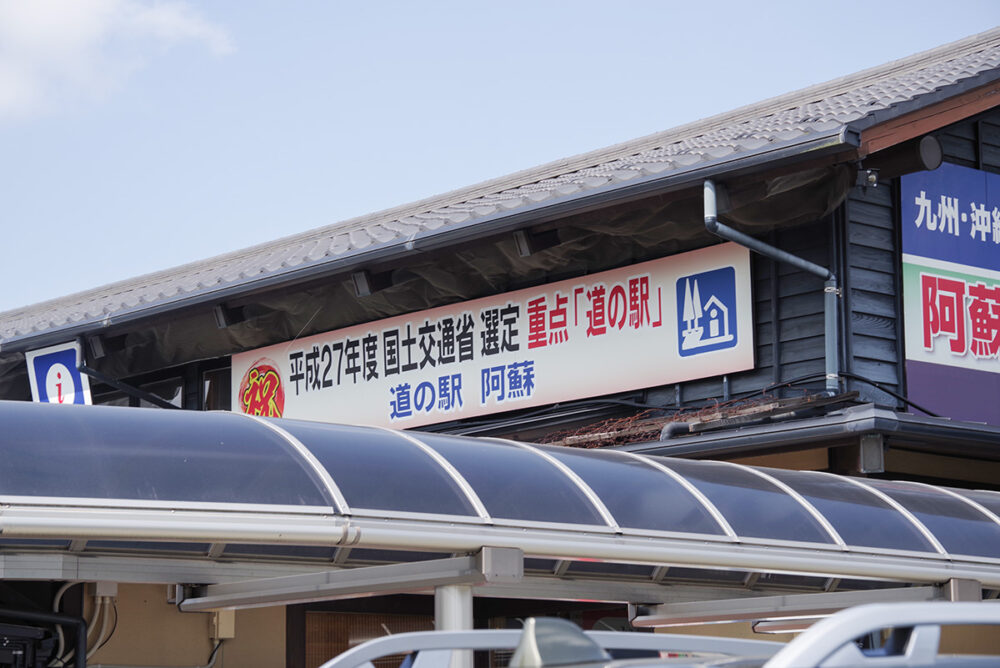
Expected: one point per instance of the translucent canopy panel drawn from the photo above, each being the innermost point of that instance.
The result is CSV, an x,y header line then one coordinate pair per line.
x,y
638,494
988,500
843,503
753,506
134,545
381,470
711,575
515,483
390,556
959,526
600,568
151,455
286,551
124,458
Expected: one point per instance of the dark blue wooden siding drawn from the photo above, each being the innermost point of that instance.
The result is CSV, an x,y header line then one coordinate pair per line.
x,y
788,312
861,243
870,289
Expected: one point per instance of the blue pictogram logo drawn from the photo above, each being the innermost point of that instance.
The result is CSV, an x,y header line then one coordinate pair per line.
x,y
706,311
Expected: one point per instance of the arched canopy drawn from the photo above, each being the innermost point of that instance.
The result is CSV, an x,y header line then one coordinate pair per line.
x,y
223,484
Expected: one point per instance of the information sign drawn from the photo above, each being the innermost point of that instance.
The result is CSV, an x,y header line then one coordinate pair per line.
x,y
54,376
669,320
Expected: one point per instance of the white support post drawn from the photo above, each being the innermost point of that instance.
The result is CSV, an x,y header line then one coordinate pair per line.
x,y
453,607
453,612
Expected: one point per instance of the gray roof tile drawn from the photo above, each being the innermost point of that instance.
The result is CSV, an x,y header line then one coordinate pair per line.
x,y
856,100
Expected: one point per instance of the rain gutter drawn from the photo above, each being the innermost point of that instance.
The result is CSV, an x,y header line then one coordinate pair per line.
x,y
850,423
827,143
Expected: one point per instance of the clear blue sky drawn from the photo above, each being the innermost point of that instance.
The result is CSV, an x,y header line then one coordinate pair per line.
x,y
137,136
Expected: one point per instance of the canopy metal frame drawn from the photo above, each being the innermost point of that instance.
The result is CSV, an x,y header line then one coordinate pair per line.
x,y
48,533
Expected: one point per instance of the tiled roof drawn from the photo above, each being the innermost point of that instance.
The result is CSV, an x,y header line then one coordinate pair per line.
x,y
825,110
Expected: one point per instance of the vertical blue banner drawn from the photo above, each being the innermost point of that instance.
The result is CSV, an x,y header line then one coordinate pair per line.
x,y
951,291
952,214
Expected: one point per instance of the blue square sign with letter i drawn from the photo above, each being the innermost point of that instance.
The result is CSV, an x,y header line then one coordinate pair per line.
x,y
55,377
706,312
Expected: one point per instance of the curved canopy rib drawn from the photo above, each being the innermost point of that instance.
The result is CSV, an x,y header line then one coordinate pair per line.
x,y
185,480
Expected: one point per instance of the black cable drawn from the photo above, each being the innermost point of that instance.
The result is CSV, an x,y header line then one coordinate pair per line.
x,y
211,657
548,410
619,402
114,627
793,381
853,376
890,393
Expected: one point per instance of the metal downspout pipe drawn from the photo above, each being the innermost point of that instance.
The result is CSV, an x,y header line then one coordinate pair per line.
x,y
830,288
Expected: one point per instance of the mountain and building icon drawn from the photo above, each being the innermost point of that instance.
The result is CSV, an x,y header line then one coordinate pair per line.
x,y
707,322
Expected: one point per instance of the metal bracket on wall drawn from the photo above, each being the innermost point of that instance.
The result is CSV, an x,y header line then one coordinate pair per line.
x,y
871,455
367,283
528,243
227,316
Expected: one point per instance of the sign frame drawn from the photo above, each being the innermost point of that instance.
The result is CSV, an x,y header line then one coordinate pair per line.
x,y
63,360
683,317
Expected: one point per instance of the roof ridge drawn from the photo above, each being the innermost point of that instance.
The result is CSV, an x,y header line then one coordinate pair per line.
x,y
595,157
564,167
142,280
705,125
825,89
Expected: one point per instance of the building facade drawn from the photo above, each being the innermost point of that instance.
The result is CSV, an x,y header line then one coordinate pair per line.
x,y
811,282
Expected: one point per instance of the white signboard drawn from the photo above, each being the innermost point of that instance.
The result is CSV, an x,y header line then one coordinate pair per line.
x,y
669,320
54,375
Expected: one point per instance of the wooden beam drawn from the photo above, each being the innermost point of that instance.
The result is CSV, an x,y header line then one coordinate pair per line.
x,y
936,116
945,467
800,460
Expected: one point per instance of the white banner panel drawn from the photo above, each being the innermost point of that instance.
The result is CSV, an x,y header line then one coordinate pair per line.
x,y
665,321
